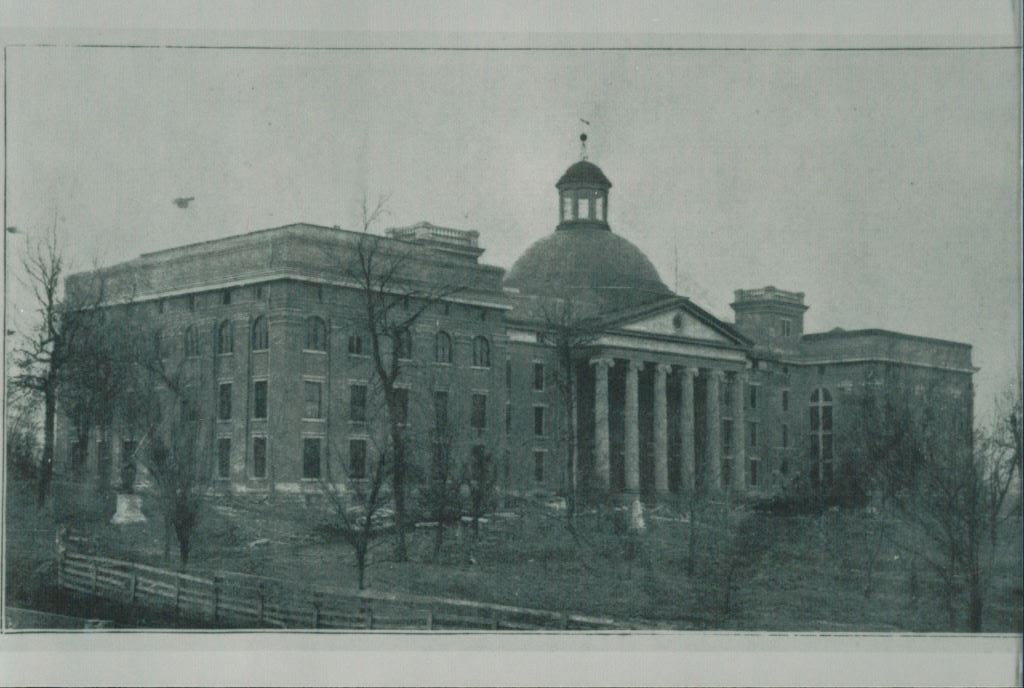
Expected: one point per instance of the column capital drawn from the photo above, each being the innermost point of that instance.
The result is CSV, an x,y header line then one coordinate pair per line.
x,y
606,361
663,368
716,374
689,371
634,365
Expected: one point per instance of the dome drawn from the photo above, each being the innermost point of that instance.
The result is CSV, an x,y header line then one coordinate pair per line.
x,y
599,269
584,172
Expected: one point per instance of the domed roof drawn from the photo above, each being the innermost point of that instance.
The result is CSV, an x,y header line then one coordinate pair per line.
x,y
584,172
599,269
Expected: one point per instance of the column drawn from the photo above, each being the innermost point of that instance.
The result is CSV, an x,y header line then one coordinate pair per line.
x,y
661,371
632,427
739,435
686,427
602,444
713,472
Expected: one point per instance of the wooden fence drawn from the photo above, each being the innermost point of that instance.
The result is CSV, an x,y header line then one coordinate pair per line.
x,y
242,601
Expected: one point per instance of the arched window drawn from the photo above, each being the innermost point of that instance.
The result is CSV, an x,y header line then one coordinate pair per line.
x,y
260,335
191,341
316,334
225,337
822,450
443,347
481,352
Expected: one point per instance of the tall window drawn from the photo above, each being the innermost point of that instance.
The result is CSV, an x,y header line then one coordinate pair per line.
x,y
316,334
785,400
357,459
225,297
566,208
403,344
355,345
599,208
259,399
224,401
260,335
224,457
225,337
191,341
259,457
821,437
314,400
478,415
753,471
538,466
582,207
357,403
787,327
538,377
538,421
443,347
727,436
753,433
440,410
481,352
311,458
508,419
785,436
753,396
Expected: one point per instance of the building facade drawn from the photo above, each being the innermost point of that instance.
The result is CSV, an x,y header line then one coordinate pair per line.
x,y
578,366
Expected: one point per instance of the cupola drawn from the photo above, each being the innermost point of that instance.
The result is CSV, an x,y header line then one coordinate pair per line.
x,y
583,194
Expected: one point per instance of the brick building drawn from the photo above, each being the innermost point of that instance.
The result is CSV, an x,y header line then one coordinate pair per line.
x,y
270,329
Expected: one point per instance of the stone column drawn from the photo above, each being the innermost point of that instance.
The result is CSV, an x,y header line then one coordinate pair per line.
x,y
602,443
661,371
713,470
632,426
689,472
739,435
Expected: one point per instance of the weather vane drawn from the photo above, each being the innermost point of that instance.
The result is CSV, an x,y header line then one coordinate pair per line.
x,y
583,146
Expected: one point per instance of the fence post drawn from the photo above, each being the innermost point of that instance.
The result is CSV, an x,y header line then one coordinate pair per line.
x,y
263,598
216,597
132,585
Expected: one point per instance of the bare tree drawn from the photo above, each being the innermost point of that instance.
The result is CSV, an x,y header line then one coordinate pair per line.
x,y
63,322
393,298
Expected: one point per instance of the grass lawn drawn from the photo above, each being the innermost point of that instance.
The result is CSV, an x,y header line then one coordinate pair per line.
x,y
753,572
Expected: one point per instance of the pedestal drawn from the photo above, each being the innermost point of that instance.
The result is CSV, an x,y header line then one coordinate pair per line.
x,y
129,509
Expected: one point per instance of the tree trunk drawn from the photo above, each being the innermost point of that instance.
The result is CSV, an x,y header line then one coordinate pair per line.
x,y
398,490
46,466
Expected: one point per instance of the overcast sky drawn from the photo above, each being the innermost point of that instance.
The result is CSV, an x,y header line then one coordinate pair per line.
x,y
885,185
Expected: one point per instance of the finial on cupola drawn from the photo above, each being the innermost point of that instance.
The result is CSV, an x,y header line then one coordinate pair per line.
x,y
583,146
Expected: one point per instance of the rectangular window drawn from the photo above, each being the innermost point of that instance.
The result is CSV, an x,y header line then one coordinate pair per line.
x,y
478,419
311,458
259,399
752,472
259,457
224,405
567,207
223,457
440,410
787,327
785,436
726,436
357,459
753,396
314,400
785,400
582,208
753,434
508,419
599,208
401,406
357,403
538,466
538,421
225,297
538,377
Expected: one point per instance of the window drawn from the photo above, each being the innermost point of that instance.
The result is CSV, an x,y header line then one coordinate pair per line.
x,y
728,393
821,370
224,401
320,293
599,208
753,396
566,207
538,421
225,337
582,207
478,419
260,292
821,438
224,457
259,400
538,377
442,347
357,459
753,433
481,352
727,436
787,327
355,345
508,373
538,466
403,344
191,341
314,400
753,470
311,458
785,400
316,334
357,403
401,406
260,335
785,436
508,419
259,457
225,297
440,410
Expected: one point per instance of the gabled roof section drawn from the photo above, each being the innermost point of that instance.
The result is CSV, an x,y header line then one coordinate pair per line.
x,y
621,320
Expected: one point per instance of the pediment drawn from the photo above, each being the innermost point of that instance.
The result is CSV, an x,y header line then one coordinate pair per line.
x,y
675,322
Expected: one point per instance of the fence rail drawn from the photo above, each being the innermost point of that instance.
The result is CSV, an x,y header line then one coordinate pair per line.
x,y
238,600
